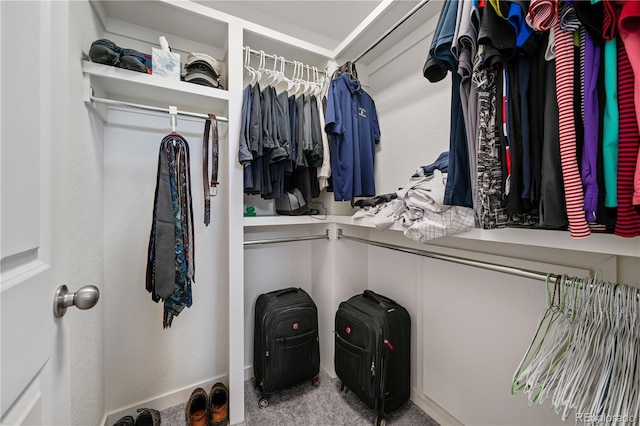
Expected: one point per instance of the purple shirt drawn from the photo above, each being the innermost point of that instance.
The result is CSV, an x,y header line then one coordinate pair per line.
x,y
588,165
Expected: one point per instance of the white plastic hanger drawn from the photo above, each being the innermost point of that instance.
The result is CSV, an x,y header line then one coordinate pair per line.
x,y
247,62
290,83
293,85
272,75
281,76
260,69
305,81
309,84
316,81
173,117
299,83
265,72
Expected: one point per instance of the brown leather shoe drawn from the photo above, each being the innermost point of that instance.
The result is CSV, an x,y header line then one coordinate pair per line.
x,y
197,409
219,405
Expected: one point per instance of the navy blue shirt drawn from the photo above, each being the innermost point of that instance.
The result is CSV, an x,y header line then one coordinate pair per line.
x,y
351,119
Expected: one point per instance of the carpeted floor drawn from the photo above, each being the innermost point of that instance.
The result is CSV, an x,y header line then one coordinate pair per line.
x,y
306,405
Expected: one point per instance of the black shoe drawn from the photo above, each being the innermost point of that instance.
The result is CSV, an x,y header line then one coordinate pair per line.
x,y
104,51
131,59
125,421
148,417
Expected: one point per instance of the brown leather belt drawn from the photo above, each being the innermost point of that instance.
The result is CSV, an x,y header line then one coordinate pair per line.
x,y
205,165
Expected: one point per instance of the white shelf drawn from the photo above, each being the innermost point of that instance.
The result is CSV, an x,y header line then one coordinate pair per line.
x,y
131,86
596,243
258,221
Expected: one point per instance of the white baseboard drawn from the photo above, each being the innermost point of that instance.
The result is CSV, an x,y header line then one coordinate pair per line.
x,y
248,372
163,402
435,411
171,399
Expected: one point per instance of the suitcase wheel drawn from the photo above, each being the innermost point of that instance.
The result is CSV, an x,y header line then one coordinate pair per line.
x,y
343,388
263,402
380,421
315,381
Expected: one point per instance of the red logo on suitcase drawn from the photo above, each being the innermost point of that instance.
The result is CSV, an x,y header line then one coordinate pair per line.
x,y
348,330
295,326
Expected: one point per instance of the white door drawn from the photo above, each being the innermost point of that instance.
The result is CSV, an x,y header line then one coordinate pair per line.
x,y
34,345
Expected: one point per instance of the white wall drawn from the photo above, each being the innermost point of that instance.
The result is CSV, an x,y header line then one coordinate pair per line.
x,y
84,205
143,361
414,114
270,268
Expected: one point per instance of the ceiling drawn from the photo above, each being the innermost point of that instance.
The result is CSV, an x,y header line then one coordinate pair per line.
x,y
327,23
323,23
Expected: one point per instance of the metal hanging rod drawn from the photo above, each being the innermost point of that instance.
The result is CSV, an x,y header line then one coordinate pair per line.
x,y
273,58
521,272
152,108
392,29
287,240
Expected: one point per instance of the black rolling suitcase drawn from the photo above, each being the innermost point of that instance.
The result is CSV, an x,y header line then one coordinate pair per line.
x,y
286,346
372,351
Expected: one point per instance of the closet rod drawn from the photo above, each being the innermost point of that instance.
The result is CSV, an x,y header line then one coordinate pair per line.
x,y
287,240
273,58
152,108
526,273
392,29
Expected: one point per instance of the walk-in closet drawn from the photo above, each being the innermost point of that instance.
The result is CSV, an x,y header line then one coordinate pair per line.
x,y
78,193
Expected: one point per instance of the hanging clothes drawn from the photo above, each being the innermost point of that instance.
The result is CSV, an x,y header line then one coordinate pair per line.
x,y
304,176
324,171
464,48
628,220
351,120
170,256
629,15
439,62
553,62
489,210
281,143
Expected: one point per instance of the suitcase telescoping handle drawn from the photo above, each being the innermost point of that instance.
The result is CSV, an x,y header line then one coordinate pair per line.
x,y
380,300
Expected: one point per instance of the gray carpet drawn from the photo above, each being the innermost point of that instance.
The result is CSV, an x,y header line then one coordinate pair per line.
x,y
306,405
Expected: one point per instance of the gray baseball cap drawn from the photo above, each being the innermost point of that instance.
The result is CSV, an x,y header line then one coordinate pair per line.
x,y
201,68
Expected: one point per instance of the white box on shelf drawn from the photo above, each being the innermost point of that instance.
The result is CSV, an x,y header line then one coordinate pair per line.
x,y
165,63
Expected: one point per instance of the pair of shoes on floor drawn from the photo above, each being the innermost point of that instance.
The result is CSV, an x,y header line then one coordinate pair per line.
x,y
145,417
106,52
208,410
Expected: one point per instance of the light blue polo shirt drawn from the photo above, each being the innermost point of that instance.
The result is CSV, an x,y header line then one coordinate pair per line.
x,y
352,121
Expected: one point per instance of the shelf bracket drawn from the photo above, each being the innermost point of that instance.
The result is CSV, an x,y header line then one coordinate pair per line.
x,y
87,94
